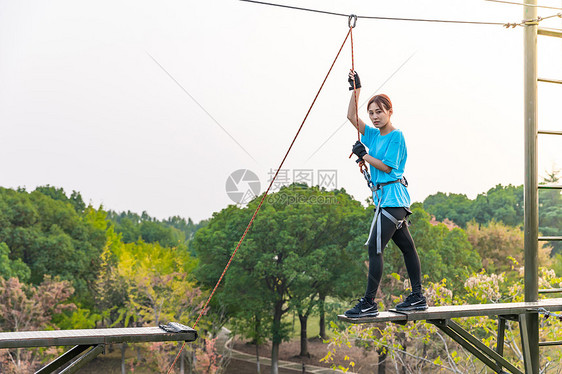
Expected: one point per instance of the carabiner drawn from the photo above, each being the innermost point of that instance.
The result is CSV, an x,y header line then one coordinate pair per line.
x,y
352,17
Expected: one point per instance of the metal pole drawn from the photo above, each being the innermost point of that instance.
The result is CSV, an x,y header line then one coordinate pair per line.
x,y
531,183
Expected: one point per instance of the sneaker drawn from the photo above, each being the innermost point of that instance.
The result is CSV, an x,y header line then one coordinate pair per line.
x,y
364,308
414,301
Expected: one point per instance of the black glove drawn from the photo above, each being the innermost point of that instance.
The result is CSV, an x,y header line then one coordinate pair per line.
x,y
359,150
357,81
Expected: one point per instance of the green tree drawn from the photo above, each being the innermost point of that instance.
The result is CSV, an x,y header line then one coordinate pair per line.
x,y
501,203
51,237
12,268
284,261
456,207
54,193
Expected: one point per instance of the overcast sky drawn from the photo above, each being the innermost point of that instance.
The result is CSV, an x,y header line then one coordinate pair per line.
x,y
86,105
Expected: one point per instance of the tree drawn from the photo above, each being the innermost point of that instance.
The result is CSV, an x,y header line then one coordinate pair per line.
x,y
51,237
500,246
12,268
500,203
159,287
27,308
289,256
456,207
169,232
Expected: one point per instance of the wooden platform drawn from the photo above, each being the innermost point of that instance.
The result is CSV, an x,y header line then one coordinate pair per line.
x,y
459,311
91,336
90,343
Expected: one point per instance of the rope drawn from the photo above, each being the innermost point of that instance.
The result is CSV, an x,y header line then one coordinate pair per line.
x,y
383,18
361,163
203,311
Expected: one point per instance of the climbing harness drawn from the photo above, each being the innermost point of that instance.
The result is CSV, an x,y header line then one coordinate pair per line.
x,y
379,210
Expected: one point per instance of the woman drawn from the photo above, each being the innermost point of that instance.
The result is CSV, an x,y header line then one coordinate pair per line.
x,y
387,157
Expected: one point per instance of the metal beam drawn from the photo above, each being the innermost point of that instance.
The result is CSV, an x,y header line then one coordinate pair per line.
x,y
526,345
84,359
531,331
550,187
550,132
442,325
550,238
550,32
63,359
482,347
501,337
548,344
551,290
549,80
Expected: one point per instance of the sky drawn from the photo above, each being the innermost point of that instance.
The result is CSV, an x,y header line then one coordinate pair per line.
x,y
152,105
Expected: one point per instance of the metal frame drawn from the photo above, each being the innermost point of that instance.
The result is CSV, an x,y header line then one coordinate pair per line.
x,y
550,32
529,323
442,317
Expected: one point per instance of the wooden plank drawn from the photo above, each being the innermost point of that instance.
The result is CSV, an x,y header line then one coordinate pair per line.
x,y
382,317
91,337
460,311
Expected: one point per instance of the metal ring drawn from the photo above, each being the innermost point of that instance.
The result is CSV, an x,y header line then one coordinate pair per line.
x,y
352,17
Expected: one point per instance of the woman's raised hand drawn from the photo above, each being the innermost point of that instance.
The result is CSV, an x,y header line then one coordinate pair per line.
x,y
353,76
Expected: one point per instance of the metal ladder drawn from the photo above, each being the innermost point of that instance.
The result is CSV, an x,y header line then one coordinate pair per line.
x,y
530,322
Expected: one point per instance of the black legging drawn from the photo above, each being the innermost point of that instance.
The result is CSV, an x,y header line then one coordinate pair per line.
x,y
404,241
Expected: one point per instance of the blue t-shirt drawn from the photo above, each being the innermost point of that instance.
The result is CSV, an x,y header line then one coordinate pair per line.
x,y
391,150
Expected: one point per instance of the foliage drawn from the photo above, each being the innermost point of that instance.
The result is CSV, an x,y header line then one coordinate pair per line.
x,y
51,238
146,284
501,204
171,232
15,268
293,253
500,246
27,308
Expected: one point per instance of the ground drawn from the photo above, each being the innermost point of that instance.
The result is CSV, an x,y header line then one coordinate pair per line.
x,y
110,363
365,362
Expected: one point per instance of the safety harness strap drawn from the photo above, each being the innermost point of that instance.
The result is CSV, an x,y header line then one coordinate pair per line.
x,y
379,210
377,221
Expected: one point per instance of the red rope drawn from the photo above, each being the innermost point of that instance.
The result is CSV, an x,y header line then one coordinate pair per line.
x,y
203,311
361,163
